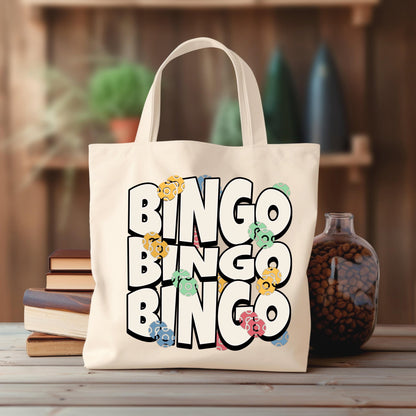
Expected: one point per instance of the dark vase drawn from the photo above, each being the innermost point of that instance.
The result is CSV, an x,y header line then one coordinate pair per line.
x,y
325,121
279,103
343,277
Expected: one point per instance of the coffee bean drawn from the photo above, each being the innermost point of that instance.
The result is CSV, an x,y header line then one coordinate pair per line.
x,y
366,252
346,247
343,284
358,258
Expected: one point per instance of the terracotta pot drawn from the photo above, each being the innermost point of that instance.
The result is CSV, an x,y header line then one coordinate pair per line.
x,y
124,129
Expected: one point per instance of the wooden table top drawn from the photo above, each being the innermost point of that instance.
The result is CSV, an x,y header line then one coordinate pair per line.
x,y
379,381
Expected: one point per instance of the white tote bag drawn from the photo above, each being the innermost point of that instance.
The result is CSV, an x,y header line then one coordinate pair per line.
x,y
199,251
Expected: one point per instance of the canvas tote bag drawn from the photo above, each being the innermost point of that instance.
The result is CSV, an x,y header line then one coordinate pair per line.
x,y
199,251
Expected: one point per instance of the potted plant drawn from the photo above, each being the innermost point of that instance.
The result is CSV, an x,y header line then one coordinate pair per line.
x,y
118,94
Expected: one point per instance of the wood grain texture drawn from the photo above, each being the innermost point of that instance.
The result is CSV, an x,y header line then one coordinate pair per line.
x,y
391,344
23,227
315,376
207,395
393,98
369,359
394,331
198,3
205,411
61,385
6,266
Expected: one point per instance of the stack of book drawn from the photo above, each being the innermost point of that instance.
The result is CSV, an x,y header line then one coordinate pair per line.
x,y
58,314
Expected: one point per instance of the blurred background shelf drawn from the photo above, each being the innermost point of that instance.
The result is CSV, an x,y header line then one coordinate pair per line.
x,y
361,10
58,163
359,157
199,3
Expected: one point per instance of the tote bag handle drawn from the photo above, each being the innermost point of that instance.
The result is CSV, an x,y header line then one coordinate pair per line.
x,y
251,110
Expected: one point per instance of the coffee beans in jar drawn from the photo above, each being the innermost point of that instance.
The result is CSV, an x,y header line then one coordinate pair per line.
x,y
343,276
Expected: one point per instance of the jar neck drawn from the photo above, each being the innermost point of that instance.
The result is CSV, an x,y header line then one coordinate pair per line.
x,y
339,223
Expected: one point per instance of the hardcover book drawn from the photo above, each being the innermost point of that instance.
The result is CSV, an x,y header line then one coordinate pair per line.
x,y
58,313
69,281
69,259
46,345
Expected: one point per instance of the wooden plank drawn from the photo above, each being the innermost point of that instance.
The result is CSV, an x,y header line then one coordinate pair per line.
x,y
200,75
199,3
160,27
385,337
68,224
395,331
19,358
370,359
315,376
12,328
13,342
27,239
348,46
200,411
105,35
60,163
320,3
297,37
335,160
5,260
244,42
206,395
345,160
17,342
390,344
393,100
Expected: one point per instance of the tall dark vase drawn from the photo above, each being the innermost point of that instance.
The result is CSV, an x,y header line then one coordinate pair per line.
x,y
325,121
279,103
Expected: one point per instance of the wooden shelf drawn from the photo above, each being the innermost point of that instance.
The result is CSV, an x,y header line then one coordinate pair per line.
x,y
355,161
359,158
58,163
200,3
360,155
361,10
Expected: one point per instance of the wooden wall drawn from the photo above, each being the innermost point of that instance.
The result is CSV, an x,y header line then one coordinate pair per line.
x,y
376,66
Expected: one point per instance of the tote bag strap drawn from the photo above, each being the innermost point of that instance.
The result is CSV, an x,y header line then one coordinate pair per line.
x,y
251,110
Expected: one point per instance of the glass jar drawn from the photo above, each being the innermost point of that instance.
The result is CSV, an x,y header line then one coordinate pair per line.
x,y
343,277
